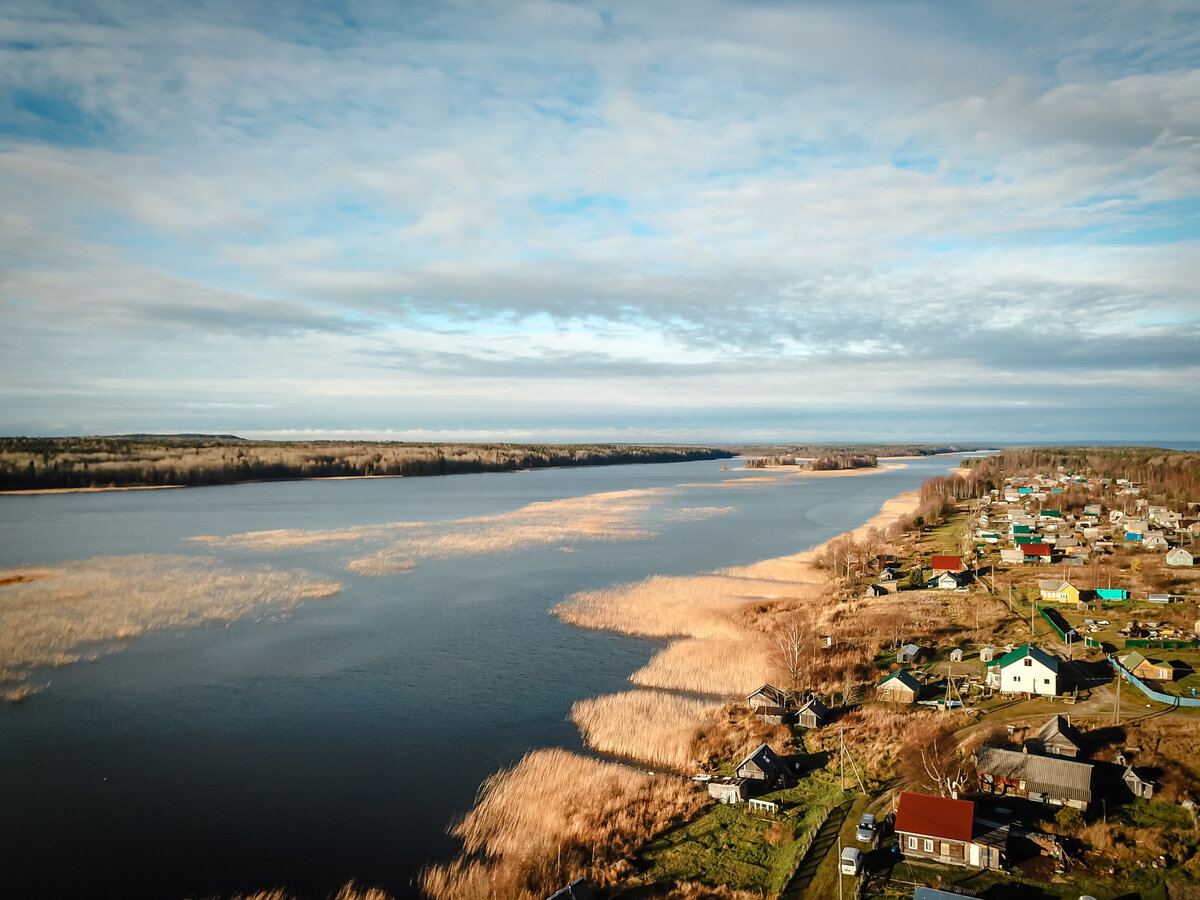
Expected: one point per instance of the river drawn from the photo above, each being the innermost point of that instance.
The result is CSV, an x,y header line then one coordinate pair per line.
x,y
340,740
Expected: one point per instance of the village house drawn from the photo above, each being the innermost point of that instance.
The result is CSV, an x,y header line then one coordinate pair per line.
x,y
1011,555
947,581
1059,591
1046,779
769,703
764,767
812,714
1150,669
1179,556
945,830
1155,540
899,687
1037,553
946,564
1139,784
1058,737
1026,670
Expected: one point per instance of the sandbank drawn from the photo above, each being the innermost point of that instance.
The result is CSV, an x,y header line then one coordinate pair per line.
x,y
93,490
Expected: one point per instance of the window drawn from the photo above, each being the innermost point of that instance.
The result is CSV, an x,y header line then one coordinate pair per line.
x,y
1017,679
912,843
928,846
1045,681
1028,661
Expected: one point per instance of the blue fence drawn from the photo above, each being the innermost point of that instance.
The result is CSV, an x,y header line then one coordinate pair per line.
x,y
1168,699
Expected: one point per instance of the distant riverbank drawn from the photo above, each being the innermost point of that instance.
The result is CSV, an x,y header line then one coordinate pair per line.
x,y
42,465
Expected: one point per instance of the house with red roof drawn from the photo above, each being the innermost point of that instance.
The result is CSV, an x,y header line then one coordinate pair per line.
x,y
946,564
946,830
1037,553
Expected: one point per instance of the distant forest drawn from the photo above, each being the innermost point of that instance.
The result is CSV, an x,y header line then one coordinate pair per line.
x,y
152,460
845,451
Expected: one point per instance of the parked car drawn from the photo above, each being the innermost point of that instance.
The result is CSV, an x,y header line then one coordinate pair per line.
x,y
866,828
852,861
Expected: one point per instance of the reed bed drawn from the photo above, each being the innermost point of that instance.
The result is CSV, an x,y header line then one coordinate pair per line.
x,y
62,614
651,726
723,668
553,817
349,891
611,516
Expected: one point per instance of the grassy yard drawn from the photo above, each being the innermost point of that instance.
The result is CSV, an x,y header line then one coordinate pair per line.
x,y
1148,883
729,846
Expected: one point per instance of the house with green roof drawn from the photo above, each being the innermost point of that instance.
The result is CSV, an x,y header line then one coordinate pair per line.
x,y
1027,670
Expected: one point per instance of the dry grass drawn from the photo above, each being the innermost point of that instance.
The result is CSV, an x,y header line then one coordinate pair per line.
x,y
733,732
875,734
611,516
556,816
728,668
690,890
652,726
348,891
58,615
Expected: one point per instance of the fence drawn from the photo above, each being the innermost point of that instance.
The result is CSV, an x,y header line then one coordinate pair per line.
x,y
1054,623
1168,699
1162,645
808,841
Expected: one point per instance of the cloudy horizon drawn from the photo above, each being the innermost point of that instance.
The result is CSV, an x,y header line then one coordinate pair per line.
x,y
687,222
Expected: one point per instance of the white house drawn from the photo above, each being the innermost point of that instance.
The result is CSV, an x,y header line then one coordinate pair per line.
x,y
1179,557
1028,670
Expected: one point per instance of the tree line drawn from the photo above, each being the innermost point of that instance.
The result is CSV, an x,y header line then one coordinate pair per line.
x,y
146,461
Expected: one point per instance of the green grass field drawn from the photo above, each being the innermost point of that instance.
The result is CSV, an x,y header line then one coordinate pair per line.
x,y
728,845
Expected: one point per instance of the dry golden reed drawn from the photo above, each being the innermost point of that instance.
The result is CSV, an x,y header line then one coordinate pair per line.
x,y
651,726
61,614
611,516
728,668
348,891
554,817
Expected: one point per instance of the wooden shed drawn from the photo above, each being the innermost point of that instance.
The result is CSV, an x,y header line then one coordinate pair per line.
x,y
899,687
813,714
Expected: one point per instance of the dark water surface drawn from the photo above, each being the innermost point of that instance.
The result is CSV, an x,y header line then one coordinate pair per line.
x,y
339,742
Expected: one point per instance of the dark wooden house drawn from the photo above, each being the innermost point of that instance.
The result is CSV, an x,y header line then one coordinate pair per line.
x,y
765,767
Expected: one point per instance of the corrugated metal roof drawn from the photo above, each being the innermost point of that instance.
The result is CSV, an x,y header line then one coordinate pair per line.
x,y
938,817
1053,775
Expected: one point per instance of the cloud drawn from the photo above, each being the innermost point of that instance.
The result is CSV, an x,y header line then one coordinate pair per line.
x,y
398,218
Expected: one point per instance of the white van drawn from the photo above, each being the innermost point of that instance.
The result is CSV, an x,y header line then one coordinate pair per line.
x,y
852,861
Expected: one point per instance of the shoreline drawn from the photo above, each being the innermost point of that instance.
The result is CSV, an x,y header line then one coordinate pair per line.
x,y
802,473
92,490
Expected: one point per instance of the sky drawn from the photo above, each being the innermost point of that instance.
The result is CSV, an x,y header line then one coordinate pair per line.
x,y
687,221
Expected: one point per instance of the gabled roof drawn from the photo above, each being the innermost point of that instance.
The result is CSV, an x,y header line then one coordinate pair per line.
x,y
767,760
904,677
1057,729
1036,549
1060,778
769,691
936,817
1050,662
815,706
1135,659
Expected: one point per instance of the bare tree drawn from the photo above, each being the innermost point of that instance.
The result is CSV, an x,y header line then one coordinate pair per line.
x,y
794,644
